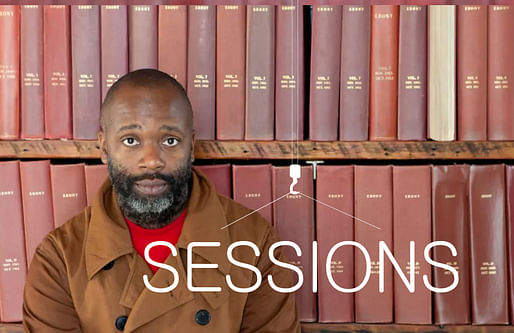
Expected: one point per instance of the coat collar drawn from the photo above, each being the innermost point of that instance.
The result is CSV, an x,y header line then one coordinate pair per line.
x,y
108,237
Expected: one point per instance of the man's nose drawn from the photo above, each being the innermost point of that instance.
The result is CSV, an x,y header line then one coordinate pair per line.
x,y
151,159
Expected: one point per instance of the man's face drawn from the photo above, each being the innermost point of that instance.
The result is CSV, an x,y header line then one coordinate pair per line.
x,y
148,148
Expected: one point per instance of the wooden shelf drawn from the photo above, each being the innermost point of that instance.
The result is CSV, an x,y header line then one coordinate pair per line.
x,y
283,150
360,328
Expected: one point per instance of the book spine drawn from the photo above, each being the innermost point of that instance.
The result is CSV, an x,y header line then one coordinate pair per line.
x,y
172,48
31,66
289,86
95,176
510,235
230,72
250,193
12,243
85,50
450,223
9,72
114,44
373,204
68,191
201,68
36,191
500,93
472,72
334,187
441,73
260,73
412,222
412,73
294,221
324,86
384,73
354,88
489,285
142,34
219,175
57,72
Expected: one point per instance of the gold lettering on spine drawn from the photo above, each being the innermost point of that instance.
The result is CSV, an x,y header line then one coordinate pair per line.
x,y
201,81
30,6
288,81
472,82
111,78
471,8
58,79
356,9
252,195
336,267
260,9
167,7
288,7
385,16
232,7
142,8
413,8
323,83
259,82
11,265
7,72
324,9
231,81
70,195
413,82
354,82
111,7
501,82
85,7
6,13
31,80
201,7
498,8
488,268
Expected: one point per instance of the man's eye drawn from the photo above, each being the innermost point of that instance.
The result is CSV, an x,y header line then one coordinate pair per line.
x,y
171,142
130,142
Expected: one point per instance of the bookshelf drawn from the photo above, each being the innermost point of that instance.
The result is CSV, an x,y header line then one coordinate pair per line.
x,y
283,150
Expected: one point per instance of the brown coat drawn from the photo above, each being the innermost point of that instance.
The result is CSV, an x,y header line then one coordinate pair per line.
x,y
87,277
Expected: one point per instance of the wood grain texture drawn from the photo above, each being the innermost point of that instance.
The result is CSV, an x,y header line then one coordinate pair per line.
x,y
284,150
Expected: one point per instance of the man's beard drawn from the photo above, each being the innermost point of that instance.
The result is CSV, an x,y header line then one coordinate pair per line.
x,y
151,212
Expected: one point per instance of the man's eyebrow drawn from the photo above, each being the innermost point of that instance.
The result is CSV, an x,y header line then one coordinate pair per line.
x,y
129,127
170,128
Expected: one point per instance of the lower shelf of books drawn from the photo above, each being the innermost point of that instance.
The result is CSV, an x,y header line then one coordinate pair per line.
x,y
361,328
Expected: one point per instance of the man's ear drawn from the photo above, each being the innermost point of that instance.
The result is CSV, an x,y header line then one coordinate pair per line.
x,y
103,147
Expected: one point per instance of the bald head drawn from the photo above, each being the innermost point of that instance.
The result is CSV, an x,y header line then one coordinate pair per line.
x,y
149,83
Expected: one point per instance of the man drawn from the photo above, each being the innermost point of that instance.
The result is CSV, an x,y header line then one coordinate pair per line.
x,y
88,275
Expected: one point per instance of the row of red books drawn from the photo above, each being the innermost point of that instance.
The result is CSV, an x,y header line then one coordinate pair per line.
x,y
376,72
471,207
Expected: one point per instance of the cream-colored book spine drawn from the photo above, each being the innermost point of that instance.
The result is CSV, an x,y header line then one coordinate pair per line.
x,y
442,74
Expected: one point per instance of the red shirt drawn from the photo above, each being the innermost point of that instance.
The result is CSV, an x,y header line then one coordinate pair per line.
x,y
141,237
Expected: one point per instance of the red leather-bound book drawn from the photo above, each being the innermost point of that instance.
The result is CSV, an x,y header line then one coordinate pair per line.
x,y
230,72
68,191
289,74
412,222
220,176
201,69
260,73
36,191
489,277
374,205
384,73
95,176
354,88
324,83
12,243
472,72
172,49
114,44
510,235
10,72
500,85
294,220
57,72
412,73
450,223
251,193
334,187
85,56
142,32
32,114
